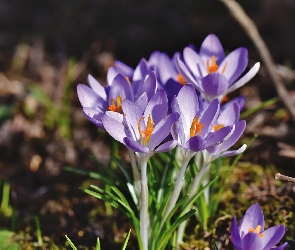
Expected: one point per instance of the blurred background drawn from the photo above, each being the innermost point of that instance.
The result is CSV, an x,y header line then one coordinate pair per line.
x,y
48,47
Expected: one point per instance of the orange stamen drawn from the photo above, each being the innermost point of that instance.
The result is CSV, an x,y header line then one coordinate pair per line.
x,y
224,68
116,107
145,135
256,230
212,68
181,79
196,127
217,127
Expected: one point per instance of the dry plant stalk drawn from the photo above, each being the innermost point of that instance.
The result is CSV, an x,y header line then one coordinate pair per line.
x,y
279,176
249,26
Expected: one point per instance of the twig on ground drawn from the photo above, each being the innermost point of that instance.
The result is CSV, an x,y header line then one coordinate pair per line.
x,y
249,26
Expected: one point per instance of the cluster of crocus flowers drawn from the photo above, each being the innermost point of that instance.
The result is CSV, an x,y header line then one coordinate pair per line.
x,y
165,103
250,234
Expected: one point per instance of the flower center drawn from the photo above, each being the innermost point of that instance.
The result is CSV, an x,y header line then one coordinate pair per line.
x,y
256,230
116,106
180,79
145,135
214,66
217,127
196,127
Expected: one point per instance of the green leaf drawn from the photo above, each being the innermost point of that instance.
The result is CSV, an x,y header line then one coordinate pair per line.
x,y
6,241
97,244
71,243
126,240
214,245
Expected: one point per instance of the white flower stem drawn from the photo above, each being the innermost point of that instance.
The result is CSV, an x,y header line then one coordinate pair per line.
x,y
135,172
144,216
177,189
193,190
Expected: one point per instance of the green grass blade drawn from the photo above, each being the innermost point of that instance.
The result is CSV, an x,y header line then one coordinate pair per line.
x,y
126,240
71,243
97,244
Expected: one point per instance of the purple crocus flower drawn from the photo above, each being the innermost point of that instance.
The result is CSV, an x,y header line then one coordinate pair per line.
x,y
193,131
250,234
229,116
143,129
211,72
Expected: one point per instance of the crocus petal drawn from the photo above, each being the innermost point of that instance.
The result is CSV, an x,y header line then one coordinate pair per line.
x,y
162,130
195,144
252,241
231,153
230,115
112,72
214,85
89,98
252,218
217,137
272,236
167,146
195,63
148,86
120,87
124,69
239,130
141,70
188,104
135,146
282,247
184,71
142,102
246,78
234,232
157,107
116,129
94,115
209,116
234,64
132,114
211,46
97,87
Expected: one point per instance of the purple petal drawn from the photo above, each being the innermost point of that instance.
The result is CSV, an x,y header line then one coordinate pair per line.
x,y
89,98
214,84
135,146
94,115
195,144
211,46
195,63
252,241
282,247
141,70
232,152
252,218
230,115
184,71
234,232
157,107
112,72
209,116
149,85
124,69
246,78
116,129
132,115
234,64
188,105
162,130
97,87
272,236
142,102
217,137
239,130
120,87
167,146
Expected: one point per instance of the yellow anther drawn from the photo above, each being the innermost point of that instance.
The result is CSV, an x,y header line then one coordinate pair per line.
x,y
128,79
145,135
217,127
196,127
256,230
180,79
213,67
116,107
